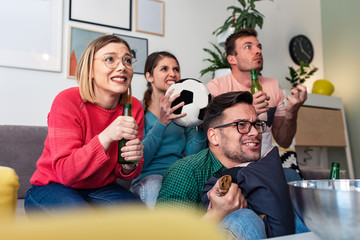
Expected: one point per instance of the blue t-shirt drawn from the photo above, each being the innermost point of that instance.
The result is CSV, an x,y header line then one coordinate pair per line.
x,y
163,145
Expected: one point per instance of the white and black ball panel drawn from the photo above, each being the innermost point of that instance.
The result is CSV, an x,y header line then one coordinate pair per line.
x,y
186,97
196,97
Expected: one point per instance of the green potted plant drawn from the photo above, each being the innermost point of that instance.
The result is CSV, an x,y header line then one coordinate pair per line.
x,y
241,17
245,16
300,75
218,60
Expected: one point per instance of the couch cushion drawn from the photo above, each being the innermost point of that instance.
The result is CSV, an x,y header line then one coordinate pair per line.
x,y
20,148
264,186
289,160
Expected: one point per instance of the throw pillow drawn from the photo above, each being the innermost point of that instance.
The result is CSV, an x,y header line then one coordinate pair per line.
x,y
289,160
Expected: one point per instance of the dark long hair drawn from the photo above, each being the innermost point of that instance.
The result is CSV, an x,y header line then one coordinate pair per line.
x,y
151,62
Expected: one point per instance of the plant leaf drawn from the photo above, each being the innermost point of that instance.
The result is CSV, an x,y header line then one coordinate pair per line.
x,y
259,21
235,9
223,28
218,60
242,2
300,75
313,71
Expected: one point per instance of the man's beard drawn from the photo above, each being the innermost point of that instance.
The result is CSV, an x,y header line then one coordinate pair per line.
x,y
259,69
238,156
246,68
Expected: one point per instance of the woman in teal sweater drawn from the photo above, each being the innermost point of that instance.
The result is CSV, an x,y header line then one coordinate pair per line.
x,y
164,141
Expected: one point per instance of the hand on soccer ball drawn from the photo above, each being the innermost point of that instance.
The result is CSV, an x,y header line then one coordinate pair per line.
x,y
166,111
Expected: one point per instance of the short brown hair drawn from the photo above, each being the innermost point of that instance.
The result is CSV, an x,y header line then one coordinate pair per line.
x,y
214,111
84,68
230,41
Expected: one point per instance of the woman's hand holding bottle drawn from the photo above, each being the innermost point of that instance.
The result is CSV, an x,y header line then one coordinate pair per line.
x,y
123,127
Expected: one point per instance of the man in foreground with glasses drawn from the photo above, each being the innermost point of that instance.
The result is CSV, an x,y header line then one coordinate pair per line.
x,y
234,133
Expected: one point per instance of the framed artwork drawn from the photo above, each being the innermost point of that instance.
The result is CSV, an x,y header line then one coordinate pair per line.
x,y
31,39
150,16
79,39
109,13
139,49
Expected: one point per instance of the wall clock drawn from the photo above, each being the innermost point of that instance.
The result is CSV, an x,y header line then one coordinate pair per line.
x,y
301,49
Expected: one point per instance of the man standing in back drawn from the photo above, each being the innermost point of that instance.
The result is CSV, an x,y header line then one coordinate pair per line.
x,y
244,54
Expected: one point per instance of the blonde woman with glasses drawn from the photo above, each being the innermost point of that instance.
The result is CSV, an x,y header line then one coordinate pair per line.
x,y
78,166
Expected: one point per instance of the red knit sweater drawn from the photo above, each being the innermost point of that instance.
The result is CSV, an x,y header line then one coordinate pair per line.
x,y
73,155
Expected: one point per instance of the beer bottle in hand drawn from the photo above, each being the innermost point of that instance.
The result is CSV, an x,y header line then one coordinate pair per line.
x,y
122,142
255,85
335,171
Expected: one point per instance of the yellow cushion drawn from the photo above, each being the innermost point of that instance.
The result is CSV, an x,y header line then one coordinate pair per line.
x,y
9,184
129,222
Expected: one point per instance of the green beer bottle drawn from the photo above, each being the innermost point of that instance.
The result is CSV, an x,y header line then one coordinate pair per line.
x,y
335,171
122,142
255,85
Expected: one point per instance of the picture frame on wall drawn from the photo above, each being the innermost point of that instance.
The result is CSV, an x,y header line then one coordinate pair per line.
x,y
31,39
139,49
79,39
108,13
150,16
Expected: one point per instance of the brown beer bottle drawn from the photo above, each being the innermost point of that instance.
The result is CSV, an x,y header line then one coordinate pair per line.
x,y
122,142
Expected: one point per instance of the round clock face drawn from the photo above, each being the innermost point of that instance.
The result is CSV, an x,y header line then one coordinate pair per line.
x,y
301,49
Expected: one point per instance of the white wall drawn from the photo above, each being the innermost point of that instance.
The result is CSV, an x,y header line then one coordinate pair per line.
x,y
26,95
341,22
283,20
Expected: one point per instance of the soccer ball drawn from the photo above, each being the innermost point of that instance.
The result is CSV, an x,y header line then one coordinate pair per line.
x,y
196,97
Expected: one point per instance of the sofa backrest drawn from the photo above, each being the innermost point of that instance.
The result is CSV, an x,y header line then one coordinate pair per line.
x,y
20,148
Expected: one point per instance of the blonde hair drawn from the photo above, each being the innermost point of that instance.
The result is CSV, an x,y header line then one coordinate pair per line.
x,y
84,69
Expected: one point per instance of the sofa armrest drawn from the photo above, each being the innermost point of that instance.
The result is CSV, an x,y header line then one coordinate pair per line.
x,y
20,148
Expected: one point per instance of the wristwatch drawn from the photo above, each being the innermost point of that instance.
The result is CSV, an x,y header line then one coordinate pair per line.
x,y
131,169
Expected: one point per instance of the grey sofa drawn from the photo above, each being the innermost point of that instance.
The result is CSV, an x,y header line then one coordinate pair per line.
x,y
20,148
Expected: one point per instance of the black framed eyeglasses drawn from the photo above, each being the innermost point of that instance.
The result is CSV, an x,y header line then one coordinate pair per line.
x,y
244,126
112,60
